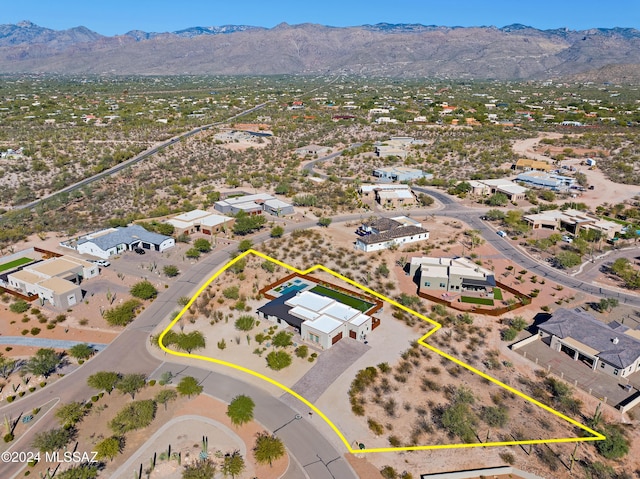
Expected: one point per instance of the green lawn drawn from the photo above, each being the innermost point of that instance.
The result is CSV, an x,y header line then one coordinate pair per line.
x,y
356,303
470,299
15,263
497,294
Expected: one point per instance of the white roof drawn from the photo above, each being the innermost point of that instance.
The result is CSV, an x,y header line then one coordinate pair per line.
x,y
304,313
360,319
276,204
324,324
370,188
406,221
513,189
309,300
341,311
247,199
214,220
191,215
497,182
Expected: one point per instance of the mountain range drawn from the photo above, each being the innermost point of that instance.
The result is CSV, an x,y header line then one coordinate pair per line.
x,y
395,50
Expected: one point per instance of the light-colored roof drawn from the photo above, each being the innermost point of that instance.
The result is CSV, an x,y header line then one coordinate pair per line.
x,y
324,324
276,204
54,267
58,285
214,220
26,276
340,311
406,221
384,186
360,319
309,300
513,189
304,313
127,235
191,215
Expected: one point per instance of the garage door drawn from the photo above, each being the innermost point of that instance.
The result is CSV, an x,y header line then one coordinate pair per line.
x,y
336,338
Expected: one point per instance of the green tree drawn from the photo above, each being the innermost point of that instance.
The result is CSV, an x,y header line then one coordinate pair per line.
x,y
233,464
245,323
324,221
7,366
282,339
277,231
459,420
81,351
165,396
192,253
568,259
123,314
302,351
19,306
202,469
188,386
71,413
245,245
268,448
246,223
240,410
82,471
131,384
495,215
495,416
103,381
615,446
109,447
202,245
171,270
497,199
44,362
54,439
135,415
278,360
143,290
189,341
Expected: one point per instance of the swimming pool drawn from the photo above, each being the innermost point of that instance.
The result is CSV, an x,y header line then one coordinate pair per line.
x,y
294,287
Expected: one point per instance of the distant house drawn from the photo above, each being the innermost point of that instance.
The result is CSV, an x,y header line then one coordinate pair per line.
x,y
56,280
199,221
319,319
112,241
313,150
611,348
400,173
390,195
513,191
548,181
451,274
572,221
385,233
254,204
527,164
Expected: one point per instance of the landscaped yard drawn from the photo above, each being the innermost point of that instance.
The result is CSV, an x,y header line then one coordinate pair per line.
x,y
354,302
470,299
14,263
497,294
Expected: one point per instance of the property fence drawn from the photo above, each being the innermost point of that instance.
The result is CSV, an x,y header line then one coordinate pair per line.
x,y
19,295
523,298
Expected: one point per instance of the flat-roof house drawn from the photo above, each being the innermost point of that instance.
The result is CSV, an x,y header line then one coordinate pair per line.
x,y
527,164
112,241
513,191
549,181
611,348
319,319
254,204
199,221
572,221
451,274
400,173
56,280
313,150
385,233
390,195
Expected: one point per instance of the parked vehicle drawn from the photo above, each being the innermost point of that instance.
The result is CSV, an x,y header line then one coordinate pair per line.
x,y
139,250
567,239
502,234
100,262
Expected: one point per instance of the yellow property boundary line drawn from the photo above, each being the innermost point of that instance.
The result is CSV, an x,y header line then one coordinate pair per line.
x,y
596,436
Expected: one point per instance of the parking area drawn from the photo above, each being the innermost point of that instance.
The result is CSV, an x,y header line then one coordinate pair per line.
x,y
578,373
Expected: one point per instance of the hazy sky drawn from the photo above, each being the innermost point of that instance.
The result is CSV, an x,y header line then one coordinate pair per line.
x,y
110,17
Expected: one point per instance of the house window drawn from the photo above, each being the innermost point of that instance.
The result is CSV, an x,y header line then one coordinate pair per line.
x,y
427,283
443,285
602,365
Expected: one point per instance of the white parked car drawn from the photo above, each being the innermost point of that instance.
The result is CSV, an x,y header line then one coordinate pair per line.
x,y
502,234
567,239
101,262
